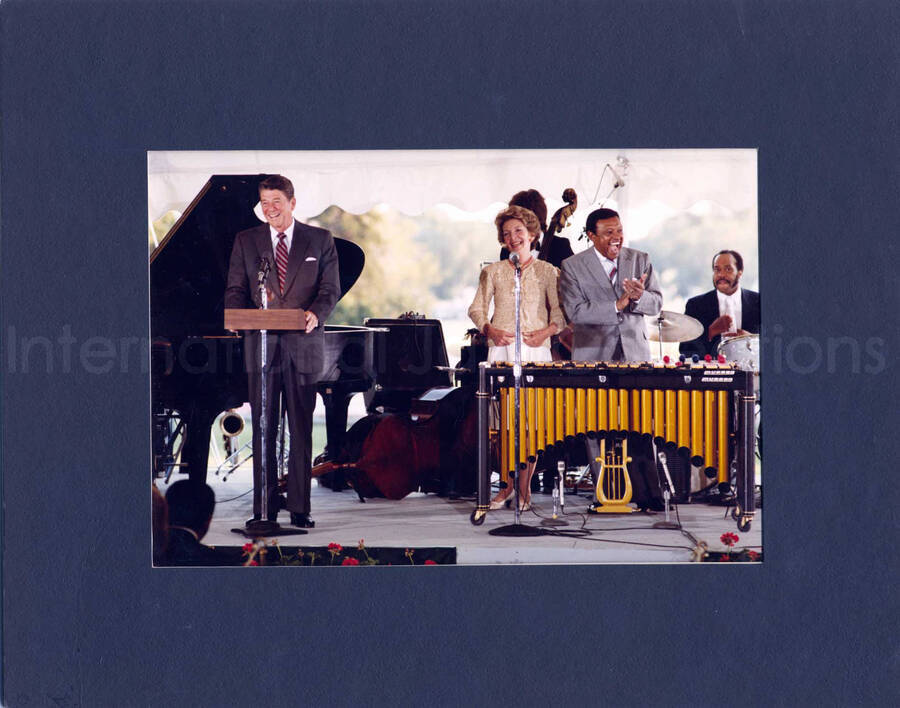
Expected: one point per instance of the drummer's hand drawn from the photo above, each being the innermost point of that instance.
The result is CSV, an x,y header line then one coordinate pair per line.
x,y
719,325
500,337
311,321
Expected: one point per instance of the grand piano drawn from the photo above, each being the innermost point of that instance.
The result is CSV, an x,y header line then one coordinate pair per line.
x,y
197,367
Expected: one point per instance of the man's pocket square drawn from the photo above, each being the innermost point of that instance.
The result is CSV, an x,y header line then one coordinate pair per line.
x,y
310,258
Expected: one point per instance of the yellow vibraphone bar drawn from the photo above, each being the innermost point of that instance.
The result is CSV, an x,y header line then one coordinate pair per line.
x,y
701,407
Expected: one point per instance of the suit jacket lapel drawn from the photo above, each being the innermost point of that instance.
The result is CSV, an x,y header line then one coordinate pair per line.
x,y
299,249
746,307
712,305
595,267
624,269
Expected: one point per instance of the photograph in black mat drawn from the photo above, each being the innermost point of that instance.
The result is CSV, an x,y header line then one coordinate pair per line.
x,y
632,444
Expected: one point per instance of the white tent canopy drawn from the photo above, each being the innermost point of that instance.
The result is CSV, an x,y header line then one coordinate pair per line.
x,y
658,183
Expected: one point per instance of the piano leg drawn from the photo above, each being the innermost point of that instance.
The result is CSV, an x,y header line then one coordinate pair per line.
x,y
195,453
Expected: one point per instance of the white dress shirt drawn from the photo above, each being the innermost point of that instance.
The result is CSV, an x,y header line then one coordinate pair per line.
x,y
607,264
731,305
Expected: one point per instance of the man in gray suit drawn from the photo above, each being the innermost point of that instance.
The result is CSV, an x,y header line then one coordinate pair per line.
x,y
304,275
606,291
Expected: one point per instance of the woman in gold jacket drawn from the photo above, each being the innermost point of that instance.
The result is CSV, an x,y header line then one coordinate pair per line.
x,y
541,316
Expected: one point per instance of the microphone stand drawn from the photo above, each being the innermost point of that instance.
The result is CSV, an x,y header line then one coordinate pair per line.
x,y
559,497
516,528
667,492
263,526
659,323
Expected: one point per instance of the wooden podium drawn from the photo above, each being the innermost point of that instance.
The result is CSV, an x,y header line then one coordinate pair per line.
x,y
265,321
271,320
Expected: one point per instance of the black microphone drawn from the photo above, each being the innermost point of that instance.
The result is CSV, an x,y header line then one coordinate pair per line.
x,y
514,259
264,268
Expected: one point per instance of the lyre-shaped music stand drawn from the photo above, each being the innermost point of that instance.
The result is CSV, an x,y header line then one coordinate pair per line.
x,y
613,481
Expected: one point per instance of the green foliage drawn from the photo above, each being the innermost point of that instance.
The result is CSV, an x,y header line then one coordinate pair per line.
x,y
460,246
682,247
398,273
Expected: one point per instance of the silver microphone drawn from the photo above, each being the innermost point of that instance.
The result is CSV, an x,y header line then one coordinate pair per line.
x,y
514,259
620,182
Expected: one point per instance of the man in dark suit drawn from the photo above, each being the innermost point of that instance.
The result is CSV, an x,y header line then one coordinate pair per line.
x,y
729,309
304,275
190,508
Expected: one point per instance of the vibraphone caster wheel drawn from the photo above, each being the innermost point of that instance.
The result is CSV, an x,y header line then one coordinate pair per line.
x,y
478,516
744,524
736,512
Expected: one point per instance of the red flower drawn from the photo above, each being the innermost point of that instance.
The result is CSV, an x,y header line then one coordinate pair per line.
x,y
350,561
430,562
753,556
247,547
729,539
335,547
253,562
725,558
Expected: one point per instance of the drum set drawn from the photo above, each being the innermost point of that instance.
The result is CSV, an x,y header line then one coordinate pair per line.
x,y
742,350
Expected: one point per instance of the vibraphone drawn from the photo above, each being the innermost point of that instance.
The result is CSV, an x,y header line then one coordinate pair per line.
x,y
707,408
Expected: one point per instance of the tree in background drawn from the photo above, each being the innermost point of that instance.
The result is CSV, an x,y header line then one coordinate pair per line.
x,y
460,247
398,274
682,248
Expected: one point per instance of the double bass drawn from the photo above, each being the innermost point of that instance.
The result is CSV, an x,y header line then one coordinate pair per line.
x,y
559,221
560,344
431,449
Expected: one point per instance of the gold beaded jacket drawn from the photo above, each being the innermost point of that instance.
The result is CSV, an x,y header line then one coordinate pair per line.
x,y
539,298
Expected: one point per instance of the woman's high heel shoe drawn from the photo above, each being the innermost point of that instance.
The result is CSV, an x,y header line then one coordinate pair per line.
x,y
497,504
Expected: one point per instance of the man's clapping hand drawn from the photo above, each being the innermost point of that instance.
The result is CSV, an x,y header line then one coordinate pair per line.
x,y
634,287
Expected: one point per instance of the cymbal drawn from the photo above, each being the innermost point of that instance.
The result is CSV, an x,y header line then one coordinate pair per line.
x,y
674,327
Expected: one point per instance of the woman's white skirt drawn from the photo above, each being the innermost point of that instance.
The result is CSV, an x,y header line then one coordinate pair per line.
x,y
529,354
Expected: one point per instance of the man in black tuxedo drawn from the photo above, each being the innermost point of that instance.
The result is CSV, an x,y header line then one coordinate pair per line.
x,y
729,309
304,275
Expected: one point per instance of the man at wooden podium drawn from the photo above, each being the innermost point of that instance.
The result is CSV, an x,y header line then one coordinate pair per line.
x,y
303,274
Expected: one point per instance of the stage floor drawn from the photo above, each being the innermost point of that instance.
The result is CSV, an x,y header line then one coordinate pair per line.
x,y
421,521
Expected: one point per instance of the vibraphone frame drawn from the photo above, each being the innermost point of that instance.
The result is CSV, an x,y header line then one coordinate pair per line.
x,y
572,377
